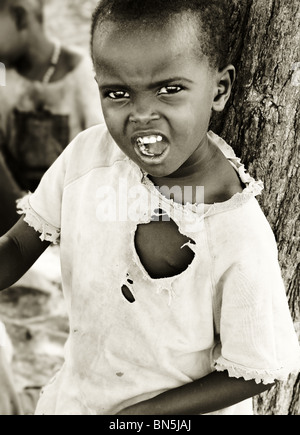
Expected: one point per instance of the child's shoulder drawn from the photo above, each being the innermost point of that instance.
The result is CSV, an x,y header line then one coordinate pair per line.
x,y
93,148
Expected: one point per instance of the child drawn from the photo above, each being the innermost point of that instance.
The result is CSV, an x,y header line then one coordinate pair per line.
x,y
176,302
50,94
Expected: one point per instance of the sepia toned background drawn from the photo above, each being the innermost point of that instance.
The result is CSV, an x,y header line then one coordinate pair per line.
x,y
261,123
69,20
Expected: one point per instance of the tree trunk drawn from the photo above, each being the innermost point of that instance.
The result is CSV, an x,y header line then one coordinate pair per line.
x,y
262,124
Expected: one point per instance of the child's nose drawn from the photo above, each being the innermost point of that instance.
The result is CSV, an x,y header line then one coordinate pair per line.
x,y
143,112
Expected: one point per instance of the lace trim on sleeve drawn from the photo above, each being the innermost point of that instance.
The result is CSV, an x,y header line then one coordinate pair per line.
x,y
254,187
48,232
260,376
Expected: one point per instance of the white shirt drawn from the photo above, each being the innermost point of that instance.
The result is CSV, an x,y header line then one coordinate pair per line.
x,y
227,311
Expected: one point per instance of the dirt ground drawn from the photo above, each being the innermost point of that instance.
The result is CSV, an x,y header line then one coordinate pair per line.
x,y
33,311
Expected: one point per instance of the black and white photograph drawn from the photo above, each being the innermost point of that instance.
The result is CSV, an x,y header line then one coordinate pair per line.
x,y
149,210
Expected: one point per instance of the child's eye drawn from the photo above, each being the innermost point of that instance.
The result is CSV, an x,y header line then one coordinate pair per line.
x,y
118,95
169,90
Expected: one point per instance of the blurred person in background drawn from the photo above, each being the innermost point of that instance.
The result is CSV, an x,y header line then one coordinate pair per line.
x,y
50,93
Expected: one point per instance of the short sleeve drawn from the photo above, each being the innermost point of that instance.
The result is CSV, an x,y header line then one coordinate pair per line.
x,y
42,209
257,336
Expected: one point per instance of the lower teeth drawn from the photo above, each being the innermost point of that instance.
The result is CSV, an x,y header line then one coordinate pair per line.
x,y
144,151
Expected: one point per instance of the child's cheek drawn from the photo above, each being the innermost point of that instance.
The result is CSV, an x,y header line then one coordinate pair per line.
x,y
109,117
114,125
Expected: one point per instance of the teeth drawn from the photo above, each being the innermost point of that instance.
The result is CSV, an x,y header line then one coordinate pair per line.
x,y
146,140
148,144
144,151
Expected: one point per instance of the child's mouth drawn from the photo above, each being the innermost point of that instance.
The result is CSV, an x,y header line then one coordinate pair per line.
x,y
150,147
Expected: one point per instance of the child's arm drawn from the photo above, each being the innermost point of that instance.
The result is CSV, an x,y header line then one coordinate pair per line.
x,y
211,393
19,249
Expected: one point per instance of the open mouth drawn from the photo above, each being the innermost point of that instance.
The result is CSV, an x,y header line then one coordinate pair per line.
x,y
150,146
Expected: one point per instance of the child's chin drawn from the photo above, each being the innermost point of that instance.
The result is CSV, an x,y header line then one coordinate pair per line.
x,y
158,172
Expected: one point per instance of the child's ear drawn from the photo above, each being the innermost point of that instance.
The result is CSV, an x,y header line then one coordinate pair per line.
x,y
225,80
21,17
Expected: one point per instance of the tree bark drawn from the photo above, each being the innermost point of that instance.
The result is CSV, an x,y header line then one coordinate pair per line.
x,y
262,124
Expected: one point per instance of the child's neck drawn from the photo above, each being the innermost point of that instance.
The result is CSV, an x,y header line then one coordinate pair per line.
x,y
208,168
193,173
35,62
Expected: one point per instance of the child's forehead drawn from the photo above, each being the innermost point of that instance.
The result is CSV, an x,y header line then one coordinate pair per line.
x,y
158,46
178,30
147,60
184,22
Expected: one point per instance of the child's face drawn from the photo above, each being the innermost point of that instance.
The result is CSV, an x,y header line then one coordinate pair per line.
x,y
11,44
157,96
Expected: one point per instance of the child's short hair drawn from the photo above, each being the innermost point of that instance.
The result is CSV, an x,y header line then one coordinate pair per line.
x,y
37,6
212,16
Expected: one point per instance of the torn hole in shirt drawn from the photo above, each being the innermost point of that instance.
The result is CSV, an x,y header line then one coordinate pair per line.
x,y
129,280
161,250
128,294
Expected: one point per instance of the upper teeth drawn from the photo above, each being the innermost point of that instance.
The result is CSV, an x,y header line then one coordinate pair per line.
x,y
146,140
